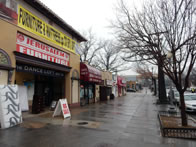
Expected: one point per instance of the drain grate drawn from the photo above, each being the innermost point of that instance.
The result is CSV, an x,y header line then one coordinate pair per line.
x,y
82,123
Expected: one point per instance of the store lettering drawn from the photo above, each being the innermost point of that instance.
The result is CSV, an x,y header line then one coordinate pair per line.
x,y
35,25
51,33
33,69
30,21
40,55
44,47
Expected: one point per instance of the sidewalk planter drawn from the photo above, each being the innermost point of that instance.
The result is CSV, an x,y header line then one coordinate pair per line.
x,y
178,131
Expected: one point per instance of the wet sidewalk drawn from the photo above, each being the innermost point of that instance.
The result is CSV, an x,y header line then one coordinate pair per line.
x,y
129,121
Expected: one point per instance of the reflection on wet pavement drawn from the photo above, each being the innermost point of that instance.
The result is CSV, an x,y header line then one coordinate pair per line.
x,y
122,122
34,125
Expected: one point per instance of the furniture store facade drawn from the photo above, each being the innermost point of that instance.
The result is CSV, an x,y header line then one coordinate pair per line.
x,y
37,50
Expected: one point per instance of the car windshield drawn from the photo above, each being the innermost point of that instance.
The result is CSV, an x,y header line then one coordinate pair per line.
x,y
189,97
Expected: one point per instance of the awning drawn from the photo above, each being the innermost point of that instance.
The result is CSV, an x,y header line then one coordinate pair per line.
x,y
89,74
121,81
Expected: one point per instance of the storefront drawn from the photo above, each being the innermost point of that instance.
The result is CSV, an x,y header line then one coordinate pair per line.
x,y
114,86
39,52
106,87
89,78
121,86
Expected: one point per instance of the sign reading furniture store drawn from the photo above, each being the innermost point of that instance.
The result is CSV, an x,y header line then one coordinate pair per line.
x,y
33,24
38,70
27,45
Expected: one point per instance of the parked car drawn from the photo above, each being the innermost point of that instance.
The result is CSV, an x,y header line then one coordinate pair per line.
x,y
176,97
167,92
131,90
190,102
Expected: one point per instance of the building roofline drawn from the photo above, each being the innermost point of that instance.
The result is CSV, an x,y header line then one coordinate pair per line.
x,y
42,8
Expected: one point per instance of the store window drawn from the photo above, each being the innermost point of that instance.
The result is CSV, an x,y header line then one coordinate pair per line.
x,y
6,70
4,58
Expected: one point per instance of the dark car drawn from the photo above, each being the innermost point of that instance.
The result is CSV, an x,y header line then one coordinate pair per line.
x,y
131,90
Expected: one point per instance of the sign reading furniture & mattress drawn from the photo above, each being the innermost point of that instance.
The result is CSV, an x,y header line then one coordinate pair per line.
x,y
29,46
62,108
32,23
10,111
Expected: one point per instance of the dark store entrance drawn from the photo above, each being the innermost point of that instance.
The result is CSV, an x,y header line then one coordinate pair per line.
x,y
50,88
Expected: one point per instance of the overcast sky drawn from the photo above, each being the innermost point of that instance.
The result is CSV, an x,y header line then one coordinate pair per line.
x,y
85,14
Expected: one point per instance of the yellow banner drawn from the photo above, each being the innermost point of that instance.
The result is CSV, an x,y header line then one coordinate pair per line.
x,y
33,24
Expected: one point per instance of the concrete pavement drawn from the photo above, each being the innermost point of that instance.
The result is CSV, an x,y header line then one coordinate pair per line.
x,y
129,121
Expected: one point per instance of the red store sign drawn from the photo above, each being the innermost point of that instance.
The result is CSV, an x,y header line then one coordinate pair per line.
x,y
32,47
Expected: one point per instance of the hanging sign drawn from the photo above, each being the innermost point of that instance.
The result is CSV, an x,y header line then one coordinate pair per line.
x,y
62,108
10,110
38,70
32,23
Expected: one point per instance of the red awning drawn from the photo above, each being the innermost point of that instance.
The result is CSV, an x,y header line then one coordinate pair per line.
x,y
121,81
90,74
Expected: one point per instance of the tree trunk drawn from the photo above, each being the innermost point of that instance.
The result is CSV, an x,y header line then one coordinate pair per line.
x,y
161,84
183,112
155,86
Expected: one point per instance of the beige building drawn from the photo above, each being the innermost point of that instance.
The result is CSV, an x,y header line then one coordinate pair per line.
x,y
37,52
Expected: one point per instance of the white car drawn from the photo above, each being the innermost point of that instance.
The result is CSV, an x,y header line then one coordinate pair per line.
x,y
190,102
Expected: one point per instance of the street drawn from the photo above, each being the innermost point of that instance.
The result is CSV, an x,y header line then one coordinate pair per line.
x,y
129,121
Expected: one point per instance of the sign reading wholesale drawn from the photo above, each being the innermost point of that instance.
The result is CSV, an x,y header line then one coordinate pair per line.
x,y
30,22
32,47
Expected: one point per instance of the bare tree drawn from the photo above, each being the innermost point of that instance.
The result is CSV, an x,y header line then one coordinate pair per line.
x,y
109,58
88,49
143,69
162,28
145,72
140,40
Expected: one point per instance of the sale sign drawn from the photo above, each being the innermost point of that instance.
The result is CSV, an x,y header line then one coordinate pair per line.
x,y
29,46
62,108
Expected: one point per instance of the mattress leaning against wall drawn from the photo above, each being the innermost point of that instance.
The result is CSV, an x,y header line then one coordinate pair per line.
x,y
10,111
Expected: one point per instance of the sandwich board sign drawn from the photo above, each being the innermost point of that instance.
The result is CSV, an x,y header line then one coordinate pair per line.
x,y
62,108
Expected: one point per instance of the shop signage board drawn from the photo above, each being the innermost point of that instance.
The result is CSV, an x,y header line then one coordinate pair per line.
x,y
62,108
109,82
10,111
32,23
29,46
38,70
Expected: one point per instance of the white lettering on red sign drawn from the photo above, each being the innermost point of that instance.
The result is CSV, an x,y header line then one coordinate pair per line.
x,y
31,47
